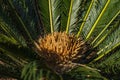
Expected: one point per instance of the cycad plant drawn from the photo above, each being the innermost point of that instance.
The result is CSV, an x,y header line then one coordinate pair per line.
x,y
60,39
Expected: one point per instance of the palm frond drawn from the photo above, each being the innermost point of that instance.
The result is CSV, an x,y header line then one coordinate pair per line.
x,y
104,20
4,59
9,29
83,73
92,19
22,16
97,20
52,13
69,16
34,71
21,22
28,16
7,71
105,28
111,42
76,14
55,14
64,9
112,63
106,31
43,9
10,48
85,18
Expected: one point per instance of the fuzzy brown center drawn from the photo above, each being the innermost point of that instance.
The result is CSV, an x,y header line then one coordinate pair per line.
x,y
60,47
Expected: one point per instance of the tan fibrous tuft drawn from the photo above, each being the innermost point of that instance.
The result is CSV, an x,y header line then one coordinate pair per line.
x,y
59,47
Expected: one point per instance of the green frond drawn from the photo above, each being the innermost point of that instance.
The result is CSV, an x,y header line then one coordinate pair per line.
x,y
11,31
43,8
50,13
23,18
94,16
106,21
9,72
34,71
105,28
15,51
105,33
85,18
51,16
6,60
28,15
69,16
112,63
99,17
77,11
111,42
55,14
11,5
7,27
64,9
83,73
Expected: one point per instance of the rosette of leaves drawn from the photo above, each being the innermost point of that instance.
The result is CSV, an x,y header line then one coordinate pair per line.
x,y
60,39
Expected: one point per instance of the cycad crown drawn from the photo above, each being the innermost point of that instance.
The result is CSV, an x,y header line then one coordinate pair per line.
x,y
60,48
22,21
